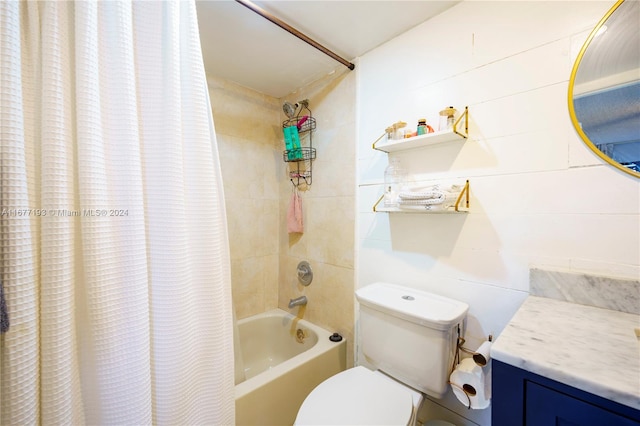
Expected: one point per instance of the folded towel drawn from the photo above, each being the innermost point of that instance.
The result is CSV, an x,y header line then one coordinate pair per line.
x,y
429,198
422,195
427,207
4,314
444,198
294,214
421,202
428,192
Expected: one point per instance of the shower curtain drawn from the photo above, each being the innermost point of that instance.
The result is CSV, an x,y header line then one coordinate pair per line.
x,y
114,254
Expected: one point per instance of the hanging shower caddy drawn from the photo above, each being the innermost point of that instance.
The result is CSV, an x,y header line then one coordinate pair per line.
x,y
300,159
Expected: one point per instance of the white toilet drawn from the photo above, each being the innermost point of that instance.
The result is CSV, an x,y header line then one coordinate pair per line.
x,y
410,337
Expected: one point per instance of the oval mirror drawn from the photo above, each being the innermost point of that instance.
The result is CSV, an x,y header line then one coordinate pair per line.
x,y
604,88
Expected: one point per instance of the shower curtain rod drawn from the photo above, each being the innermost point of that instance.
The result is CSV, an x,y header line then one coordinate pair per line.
x,y
257,9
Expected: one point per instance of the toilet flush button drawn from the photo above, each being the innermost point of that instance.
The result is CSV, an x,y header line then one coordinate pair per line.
x,y
407,297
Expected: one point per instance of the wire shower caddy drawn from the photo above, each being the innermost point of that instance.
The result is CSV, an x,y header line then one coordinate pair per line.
x,y
301,159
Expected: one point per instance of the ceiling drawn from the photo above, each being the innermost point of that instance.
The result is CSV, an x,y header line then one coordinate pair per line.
x,y
242,46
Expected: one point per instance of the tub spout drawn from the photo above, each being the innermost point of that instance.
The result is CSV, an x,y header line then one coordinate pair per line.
x,y
298,301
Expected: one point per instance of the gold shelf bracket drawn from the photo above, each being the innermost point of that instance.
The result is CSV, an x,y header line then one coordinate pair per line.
x,y
377,202
464,115
377,140
464,193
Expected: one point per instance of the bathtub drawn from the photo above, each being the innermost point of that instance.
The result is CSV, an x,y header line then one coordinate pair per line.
x,y
281,359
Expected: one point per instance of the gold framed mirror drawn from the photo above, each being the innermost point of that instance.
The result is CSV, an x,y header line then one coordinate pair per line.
x,y
604,88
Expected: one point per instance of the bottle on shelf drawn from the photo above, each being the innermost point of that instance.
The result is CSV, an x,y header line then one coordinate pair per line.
x,y
447,118
422,126
394,178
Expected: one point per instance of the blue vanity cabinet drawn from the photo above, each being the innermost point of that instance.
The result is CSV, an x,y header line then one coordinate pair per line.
x,y
520,397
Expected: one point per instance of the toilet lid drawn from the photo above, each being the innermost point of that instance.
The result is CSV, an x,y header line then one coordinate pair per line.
x,y
357,396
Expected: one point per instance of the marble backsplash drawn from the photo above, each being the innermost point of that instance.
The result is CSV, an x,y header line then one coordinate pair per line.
x,y
602,292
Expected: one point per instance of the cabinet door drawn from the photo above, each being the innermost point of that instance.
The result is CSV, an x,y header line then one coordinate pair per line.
x,y
547,407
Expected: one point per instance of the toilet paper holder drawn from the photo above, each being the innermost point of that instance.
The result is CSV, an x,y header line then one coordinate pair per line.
x,y
480,357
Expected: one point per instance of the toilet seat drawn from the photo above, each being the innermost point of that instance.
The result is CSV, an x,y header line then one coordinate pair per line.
x,y
357,396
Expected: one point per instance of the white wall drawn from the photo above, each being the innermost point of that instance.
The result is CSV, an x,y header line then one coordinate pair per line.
x,y
539,197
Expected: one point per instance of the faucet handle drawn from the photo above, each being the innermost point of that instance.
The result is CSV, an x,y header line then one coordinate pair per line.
x,y
305,274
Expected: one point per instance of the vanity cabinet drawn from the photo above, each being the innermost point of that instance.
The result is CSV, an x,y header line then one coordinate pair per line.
x,y
520,397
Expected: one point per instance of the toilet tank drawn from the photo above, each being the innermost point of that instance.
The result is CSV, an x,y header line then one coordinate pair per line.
x,y
410,334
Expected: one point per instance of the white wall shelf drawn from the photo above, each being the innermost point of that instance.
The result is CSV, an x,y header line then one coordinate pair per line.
x,y
461,205
456,133
428,139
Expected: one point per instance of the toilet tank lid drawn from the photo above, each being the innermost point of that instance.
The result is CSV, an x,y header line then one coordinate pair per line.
x,y
420,307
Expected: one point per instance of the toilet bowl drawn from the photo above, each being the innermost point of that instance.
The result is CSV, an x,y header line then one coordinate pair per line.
x,y
359,396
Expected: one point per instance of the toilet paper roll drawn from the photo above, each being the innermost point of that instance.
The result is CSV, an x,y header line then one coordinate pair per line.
x,y
482,357
468,384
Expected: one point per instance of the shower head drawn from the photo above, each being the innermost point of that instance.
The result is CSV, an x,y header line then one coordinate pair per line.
x,y
289,109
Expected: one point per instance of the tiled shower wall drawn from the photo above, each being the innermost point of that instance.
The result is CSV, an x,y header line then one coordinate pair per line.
x,y
328,211
248,131
257,193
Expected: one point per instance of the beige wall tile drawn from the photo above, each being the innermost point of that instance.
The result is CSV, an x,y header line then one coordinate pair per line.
x,y
258,191
328,211
247,129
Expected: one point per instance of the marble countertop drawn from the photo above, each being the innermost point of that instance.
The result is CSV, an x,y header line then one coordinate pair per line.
x,y
589,348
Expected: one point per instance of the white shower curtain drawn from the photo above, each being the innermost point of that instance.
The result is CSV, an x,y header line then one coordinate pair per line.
x,y
114,252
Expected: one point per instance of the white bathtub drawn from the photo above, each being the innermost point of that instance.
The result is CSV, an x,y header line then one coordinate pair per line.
x,y
280,371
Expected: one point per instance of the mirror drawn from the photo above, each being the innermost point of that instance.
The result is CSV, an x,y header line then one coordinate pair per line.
x,y
604,88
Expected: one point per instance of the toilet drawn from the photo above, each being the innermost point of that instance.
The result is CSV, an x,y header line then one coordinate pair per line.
x,y
409,336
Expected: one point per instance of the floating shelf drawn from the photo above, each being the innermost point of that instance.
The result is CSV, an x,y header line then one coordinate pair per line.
x,y
459,131
417,141
461,205
428,139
